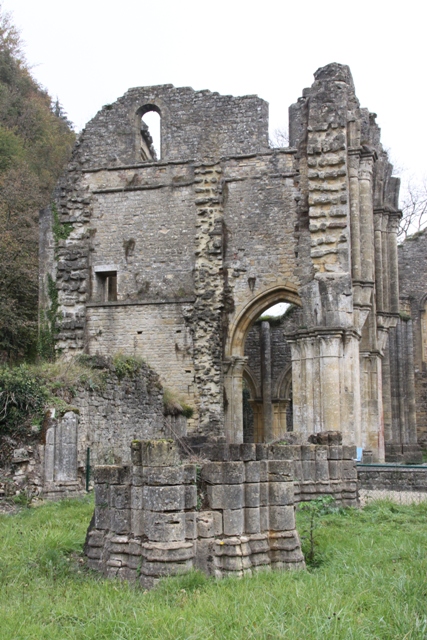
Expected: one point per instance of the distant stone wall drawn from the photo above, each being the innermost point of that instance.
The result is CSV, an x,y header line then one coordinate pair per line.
x,y
393,477
413,292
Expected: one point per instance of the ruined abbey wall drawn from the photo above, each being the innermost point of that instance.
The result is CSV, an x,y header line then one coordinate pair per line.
x,y
173,259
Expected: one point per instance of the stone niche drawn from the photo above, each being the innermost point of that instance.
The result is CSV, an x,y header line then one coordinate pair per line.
x,y
233,514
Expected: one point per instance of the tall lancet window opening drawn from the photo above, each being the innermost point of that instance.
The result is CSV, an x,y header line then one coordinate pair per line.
x,y
149,134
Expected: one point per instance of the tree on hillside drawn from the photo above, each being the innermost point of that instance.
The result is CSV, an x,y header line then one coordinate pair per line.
x,y
35,143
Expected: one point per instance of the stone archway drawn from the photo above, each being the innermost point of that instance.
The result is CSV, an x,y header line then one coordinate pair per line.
x,y
234,362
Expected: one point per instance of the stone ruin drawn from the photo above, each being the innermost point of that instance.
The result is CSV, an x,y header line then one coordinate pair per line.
x,y
230,515
174,258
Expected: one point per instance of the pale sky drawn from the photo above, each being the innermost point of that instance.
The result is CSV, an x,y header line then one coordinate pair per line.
x,y
88,53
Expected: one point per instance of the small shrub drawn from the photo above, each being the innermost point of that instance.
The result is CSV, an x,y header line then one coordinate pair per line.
x,y
126,366
315,510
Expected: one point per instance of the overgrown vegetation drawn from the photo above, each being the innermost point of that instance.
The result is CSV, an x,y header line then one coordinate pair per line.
x,y
26,391
371,584
175,405
126,366
35,143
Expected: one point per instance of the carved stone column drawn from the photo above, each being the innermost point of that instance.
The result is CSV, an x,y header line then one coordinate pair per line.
x,y
366,216
394,219
233,388
266,381
325,382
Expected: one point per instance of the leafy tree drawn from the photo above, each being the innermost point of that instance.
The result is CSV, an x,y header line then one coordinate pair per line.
x,y
35,143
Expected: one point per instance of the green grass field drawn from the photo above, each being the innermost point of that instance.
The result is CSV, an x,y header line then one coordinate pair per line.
x,y
370,582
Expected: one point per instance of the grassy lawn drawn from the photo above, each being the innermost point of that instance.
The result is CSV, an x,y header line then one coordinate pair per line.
x,y
370,582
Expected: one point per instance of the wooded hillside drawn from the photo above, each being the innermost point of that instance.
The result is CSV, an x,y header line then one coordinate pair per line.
x,y
35,143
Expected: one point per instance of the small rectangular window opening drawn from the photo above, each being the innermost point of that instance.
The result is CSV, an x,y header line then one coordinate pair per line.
x,y
107,286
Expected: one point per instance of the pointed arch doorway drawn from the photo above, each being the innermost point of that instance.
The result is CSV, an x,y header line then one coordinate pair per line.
x,y
235,360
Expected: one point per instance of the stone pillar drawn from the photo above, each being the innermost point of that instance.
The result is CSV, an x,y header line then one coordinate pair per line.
x,y
267,407
372,408
393,261
353,171
325,382
385,261
378,223
233,388
366,217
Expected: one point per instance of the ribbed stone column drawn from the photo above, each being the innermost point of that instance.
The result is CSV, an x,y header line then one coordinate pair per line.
x,y
378,223
233,386
267,406
366,221
393,262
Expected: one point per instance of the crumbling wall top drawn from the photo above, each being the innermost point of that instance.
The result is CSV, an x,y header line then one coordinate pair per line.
x,y
195,125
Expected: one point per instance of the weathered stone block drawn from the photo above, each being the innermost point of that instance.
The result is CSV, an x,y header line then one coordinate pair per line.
x,y
190,471
280,452
335,469
298,472
261,451
163,569
349,452
137,522
209,524
252,522
335,452
190,496
218,451
259,543
111,474
233,472
234,451
205,551
102,495
212,472
264,518
282,518
169,498
252,471
233,522
167,551
163,475
263,470
252,494
120,520
136,497
308,452
349,470
280,493
322,469
309,470
165,527
287,541
102,517
247,452
190,526
120,496
282,555
225,496
263,494
321,452
159,453
279,470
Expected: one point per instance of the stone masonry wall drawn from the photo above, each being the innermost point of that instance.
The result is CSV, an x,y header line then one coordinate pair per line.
x,y
413,292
